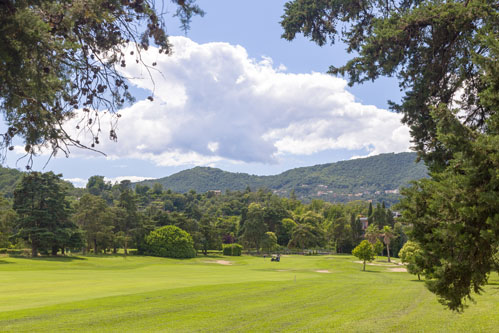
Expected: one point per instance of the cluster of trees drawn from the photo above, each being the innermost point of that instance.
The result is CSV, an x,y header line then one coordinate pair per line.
x,y
445,55
105,217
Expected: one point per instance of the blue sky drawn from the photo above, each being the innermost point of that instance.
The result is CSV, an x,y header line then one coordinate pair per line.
x,y
234,95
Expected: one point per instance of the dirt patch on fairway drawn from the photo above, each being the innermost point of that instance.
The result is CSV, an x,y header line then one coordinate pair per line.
x,y
220,262
399,269
377,264
282,270
323,271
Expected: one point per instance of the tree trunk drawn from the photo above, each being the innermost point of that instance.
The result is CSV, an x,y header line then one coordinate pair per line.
x,y
54,250
114,249
364,266
419,278
95,246
126,246
34,250
388,251
62,250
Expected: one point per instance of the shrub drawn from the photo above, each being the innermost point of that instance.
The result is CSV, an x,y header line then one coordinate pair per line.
x,y
233,249
3,250
170,241
15,252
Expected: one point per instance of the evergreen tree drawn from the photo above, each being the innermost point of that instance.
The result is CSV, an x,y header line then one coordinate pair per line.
x,y
446,57
94,218
128,220
7,222
58,56
43,212
370,217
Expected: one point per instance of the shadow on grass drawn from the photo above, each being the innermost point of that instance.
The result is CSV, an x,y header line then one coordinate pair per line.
x,y
56,258
369,271
5,262
214,256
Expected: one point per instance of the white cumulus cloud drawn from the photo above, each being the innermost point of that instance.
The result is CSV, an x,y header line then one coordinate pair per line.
x,y
212,103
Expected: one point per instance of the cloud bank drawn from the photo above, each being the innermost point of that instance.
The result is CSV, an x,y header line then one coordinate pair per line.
x,y
212,103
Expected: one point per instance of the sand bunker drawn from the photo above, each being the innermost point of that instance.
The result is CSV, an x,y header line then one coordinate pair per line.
x,y
323,271
220,262
400,269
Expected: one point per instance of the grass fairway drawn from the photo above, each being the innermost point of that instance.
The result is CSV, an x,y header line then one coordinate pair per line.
x,y
252,294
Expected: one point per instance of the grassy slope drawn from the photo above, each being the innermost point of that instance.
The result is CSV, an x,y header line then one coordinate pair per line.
x,y
152,294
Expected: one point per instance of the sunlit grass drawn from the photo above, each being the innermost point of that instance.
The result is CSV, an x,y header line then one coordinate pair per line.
x,y
252,294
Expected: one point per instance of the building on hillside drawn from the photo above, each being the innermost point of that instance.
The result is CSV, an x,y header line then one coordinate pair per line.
x,y
364,222
215,192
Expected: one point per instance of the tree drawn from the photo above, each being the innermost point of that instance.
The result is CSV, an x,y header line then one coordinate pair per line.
x,y
96,185
306,236
372,233
365,252
269,242
254,227
94,217
284,231
128,220
388,235
7,221
43,212
356,227
446,57
411,254
170,241
58,56
370,217
227,228
208,234
340,232
378,247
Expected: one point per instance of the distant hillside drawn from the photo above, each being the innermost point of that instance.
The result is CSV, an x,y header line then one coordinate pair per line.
x,y
8,180
376,178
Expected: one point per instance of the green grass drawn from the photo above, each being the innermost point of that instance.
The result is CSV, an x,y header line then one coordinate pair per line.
x,y
112,293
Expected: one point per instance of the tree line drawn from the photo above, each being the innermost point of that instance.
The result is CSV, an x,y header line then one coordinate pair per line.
x,y
105,217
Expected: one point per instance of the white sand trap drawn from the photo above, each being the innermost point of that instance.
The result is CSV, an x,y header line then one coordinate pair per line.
x,y
323,271
220,262
400,269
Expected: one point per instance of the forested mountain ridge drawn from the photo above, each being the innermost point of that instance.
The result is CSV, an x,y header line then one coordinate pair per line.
x,y
8,180
376,178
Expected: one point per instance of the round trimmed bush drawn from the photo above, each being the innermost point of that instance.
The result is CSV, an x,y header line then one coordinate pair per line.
x,y
232,249
170,241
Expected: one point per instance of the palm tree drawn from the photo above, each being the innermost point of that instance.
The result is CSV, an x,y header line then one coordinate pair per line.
x,y
372,233
388,235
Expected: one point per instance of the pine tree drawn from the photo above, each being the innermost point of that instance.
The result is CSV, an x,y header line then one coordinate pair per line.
x,y
43,213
